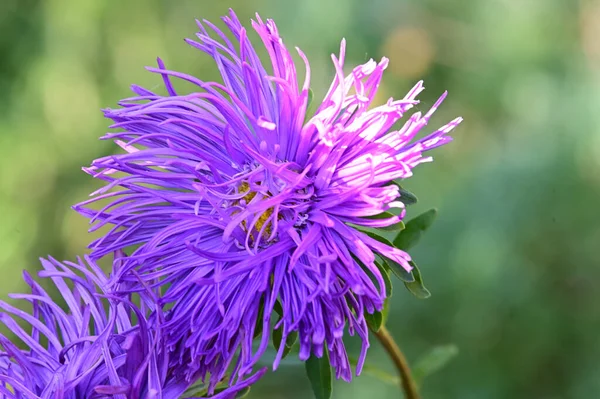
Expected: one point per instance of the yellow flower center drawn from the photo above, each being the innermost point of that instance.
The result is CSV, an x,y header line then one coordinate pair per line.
x,y
245,188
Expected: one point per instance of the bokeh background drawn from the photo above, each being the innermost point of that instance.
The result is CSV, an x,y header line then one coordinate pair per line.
x,y
512,261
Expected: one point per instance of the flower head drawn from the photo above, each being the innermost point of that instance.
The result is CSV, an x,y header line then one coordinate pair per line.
x,y
238,202
85,351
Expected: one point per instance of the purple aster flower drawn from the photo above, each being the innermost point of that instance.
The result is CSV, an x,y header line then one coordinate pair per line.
x,y
83,352
237,202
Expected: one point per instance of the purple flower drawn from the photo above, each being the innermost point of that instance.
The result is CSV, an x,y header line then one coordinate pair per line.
x,y
83,352
238,202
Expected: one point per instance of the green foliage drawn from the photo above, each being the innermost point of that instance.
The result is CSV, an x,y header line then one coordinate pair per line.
x,y
258,327
289,342
413,232
407,197
386,310
384,270
394,266
416,287
433,361
378,318
200,390
375,372
277,334
406,238
386,215
310,107
242,393
197,389
374,320
319,374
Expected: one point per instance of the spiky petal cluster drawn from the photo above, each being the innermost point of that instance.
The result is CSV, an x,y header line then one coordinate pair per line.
x,y
237,200
85,351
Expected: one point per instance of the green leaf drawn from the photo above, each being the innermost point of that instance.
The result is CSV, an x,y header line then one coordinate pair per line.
x,y
276,336
381,375
270,354
278,309
417,288
374,320
258,327
198,389
433,361
384,270
394,266
318,371
407,197
376,372
309,110
385,311
277,333
411,235
243,393
201,389
378,318
377,237
289,342
399,271
386,215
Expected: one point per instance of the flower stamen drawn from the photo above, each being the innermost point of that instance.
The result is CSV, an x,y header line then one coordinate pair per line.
x,y
263,219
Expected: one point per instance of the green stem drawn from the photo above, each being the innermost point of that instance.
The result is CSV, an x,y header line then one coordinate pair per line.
x,y
408,384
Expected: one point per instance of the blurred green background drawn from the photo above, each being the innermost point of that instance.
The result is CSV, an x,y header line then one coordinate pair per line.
x,y
512,261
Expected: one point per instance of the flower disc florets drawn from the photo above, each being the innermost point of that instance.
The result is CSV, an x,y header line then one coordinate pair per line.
x,y
262,204
237,203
